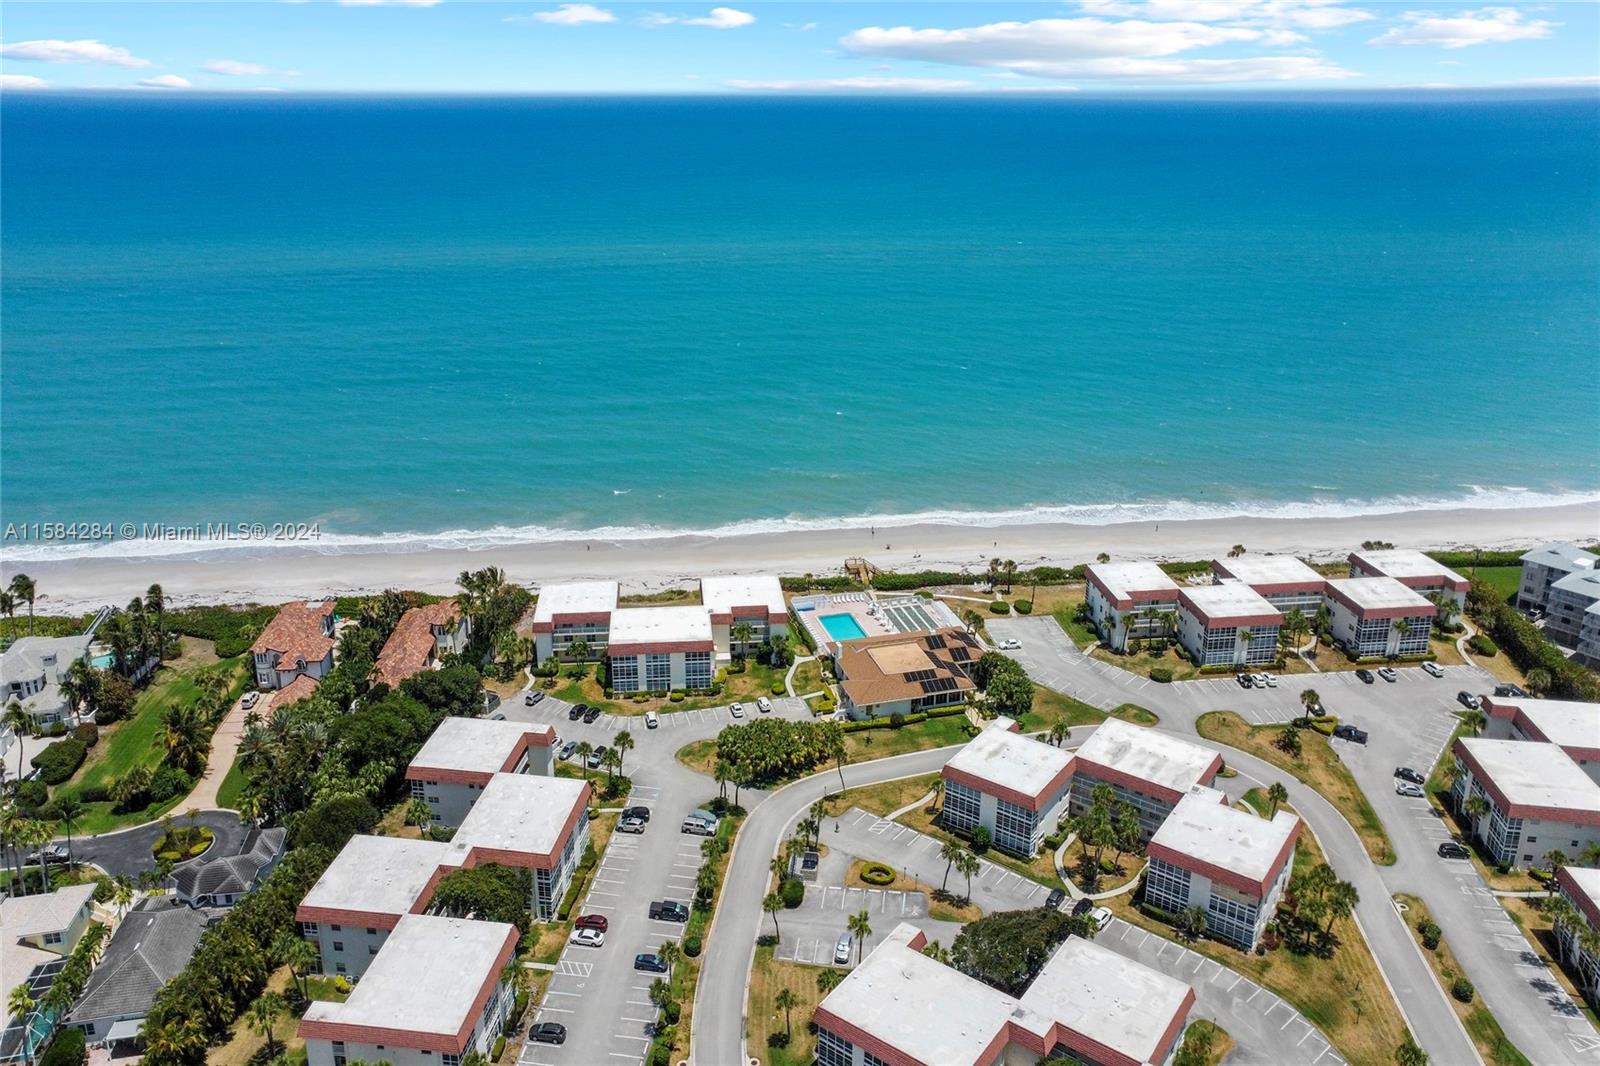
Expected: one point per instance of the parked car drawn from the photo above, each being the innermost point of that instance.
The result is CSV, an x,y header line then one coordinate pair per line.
x,y
1452,850
1054,900
593,921
1506,688
736,709
1271,680
1433,669
497,716
1468,700
631,825
532,698
1406,788
669,910
249,700
1406,773
1083,906
1101,917
763,704
652,720
649,963
547,1033
698,826
590,938
1010,645
591,715
596,757
52,852
575,712
1389,674
1246,680
1365,676
1350,733
841,949
568,749
641,813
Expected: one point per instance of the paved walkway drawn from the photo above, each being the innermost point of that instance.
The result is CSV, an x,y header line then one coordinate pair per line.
x,y
224,745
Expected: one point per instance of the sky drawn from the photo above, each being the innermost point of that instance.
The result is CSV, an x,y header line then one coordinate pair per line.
x,y
1089,46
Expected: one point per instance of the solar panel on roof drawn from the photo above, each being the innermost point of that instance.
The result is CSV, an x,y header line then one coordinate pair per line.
x,y
922,675
939,684
935,640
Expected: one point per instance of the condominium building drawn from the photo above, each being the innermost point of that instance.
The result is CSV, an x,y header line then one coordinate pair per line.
x,y
1413,569
436,994
1537,799
1132,600
1547,564
756,601
1573,727
462,755
1581,886
572,612
1282,580
1013,786
1152,771
420,638
899,673
1232,864
537,823
658,649
1087,1005
369,886
298,642
1379,617
1227,625
1572,614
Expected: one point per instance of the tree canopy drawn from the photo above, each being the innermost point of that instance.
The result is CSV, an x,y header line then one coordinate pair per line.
x,y
1008,949
492,893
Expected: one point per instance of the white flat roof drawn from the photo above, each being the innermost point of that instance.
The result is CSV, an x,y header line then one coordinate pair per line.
x,y
1566,723
651,625
479,745
1003,757
521,813
379,875
1158,758
721,594
1376,593
1204,826
1232,600
1266,569
1587,879
574,597
1124,579
1404,562
1562,556
426,978
1114,1001
1534,774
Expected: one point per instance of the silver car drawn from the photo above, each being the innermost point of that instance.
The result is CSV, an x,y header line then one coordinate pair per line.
x,y
841,949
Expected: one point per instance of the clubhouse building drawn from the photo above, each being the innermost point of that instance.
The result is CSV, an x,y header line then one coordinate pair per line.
x,y
899,673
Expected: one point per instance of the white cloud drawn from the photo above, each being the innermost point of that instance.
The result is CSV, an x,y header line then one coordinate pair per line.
x,y
22,81
165,81
234,68
720,18
86,51
1490,25
1305,14
803,27
853,85
567,15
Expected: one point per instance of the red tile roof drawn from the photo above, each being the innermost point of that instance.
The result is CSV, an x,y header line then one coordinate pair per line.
x,y
298,689
296,634
409,647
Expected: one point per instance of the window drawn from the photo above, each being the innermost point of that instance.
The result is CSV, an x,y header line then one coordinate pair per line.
x,y
52,938
416,790
338,967
338,1053
337,928
1167,886
450,1060
371,931
338,945
625,673
961,807
308,929
88,1030
832,1049
372,949
657,672
697,669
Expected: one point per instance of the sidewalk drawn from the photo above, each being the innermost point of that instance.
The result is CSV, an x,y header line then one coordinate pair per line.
x,y
224,744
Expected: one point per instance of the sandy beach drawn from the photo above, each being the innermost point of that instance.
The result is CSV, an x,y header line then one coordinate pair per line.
x,y
78,585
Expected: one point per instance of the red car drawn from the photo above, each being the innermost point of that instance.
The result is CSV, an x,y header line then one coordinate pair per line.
x,y
592,921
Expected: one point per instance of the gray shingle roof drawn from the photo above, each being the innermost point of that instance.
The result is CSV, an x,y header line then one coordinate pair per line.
x,y
235,874
150,948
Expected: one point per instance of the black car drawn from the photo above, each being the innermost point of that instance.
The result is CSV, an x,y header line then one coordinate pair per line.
x,y
528,701
641,813
1451,850
1083,906
649,963
1406,773
548,1033
669,910
1350,733
1055,898
1245,681
1365,675
591,715
1468,700
1508,689
575,712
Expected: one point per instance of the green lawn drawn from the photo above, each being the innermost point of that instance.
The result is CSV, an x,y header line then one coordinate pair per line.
x,y
232,787
862,745
1080,633
807,677
1050,707
1502,579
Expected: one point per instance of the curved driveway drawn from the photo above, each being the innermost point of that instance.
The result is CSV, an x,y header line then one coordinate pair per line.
x,y
128,852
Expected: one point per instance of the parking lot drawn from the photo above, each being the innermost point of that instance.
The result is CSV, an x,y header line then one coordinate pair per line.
x,y
811,931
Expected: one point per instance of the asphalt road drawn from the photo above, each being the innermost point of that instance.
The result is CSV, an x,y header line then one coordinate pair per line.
x,y
128,852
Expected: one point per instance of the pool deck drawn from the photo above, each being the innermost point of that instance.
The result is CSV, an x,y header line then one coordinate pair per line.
x,y
876,617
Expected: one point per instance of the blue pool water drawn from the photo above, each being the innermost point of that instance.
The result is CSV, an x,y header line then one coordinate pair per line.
x,y
103,662
842,626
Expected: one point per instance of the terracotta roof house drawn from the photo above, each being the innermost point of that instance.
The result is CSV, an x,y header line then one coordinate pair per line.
x,y
298,642
422,635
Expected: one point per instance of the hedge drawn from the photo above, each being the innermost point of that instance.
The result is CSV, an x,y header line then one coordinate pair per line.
x,y
876,873
498,1049
999,607
60,761
1161,674
1466,560
1023,606
1530,649
32,794
1482,645
793,892
88,734
1462,989
67,1049
224,626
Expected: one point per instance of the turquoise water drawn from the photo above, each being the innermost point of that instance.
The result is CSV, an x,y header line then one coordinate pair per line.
x,y
842,626
477,321
102,662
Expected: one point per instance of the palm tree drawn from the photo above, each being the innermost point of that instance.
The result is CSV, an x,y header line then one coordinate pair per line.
x,y
418,813
786,1001
182,736
1192,923
1341,901
20,1005
296,953
1476,806
23,590
772,905
740,634
861,927
131,785
1103,557
623,744
69,809
8,604
1289,740
1236,551
612,761
1539,680
828,980
968,865
584,750
833,746
121,894
155,602
1554,860
578,650
950,851
1245,637
1276,795
669,952
1011,574
1474,720
263,1017
971,619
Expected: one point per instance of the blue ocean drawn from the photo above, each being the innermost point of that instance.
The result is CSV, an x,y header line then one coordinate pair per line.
x,y
473,320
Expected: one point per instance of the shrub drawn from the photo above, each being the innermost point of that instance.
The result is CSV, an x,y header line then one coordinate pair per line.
x,y
32,794
677,695
1161,674
691,945
777,1039
896,720
876,873
1325,726
169,782
60,761
778,688
825,702
793,892
1462,989
94,794
1430,934
999,607
1023,606
498,1049
54,729
1482,645
87,734
67,1049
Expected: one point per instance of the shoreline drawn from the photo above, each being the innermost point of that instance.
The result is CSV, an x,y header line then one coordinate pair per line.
x,y
75,585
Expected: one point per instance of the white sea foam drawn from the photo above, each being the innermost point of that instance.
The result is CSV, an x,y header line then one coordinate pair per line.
x,y
1478,497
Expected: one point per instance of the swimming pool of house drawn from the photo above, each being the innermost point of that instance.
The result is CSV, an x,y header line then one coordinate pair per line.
x,y
103,662
842,626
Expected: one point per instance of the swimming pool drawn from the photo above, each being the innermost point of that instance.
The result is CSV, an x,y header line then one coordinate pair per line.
x,y
842,626
103,662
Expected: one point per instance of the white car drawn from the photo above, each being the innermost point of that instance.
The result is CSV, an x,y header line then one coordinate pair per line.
x,y
248,700
736,709
763,705
589,938
1406,788
841,949
1270,680
1010,645
1433,669
651,720
1101,916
